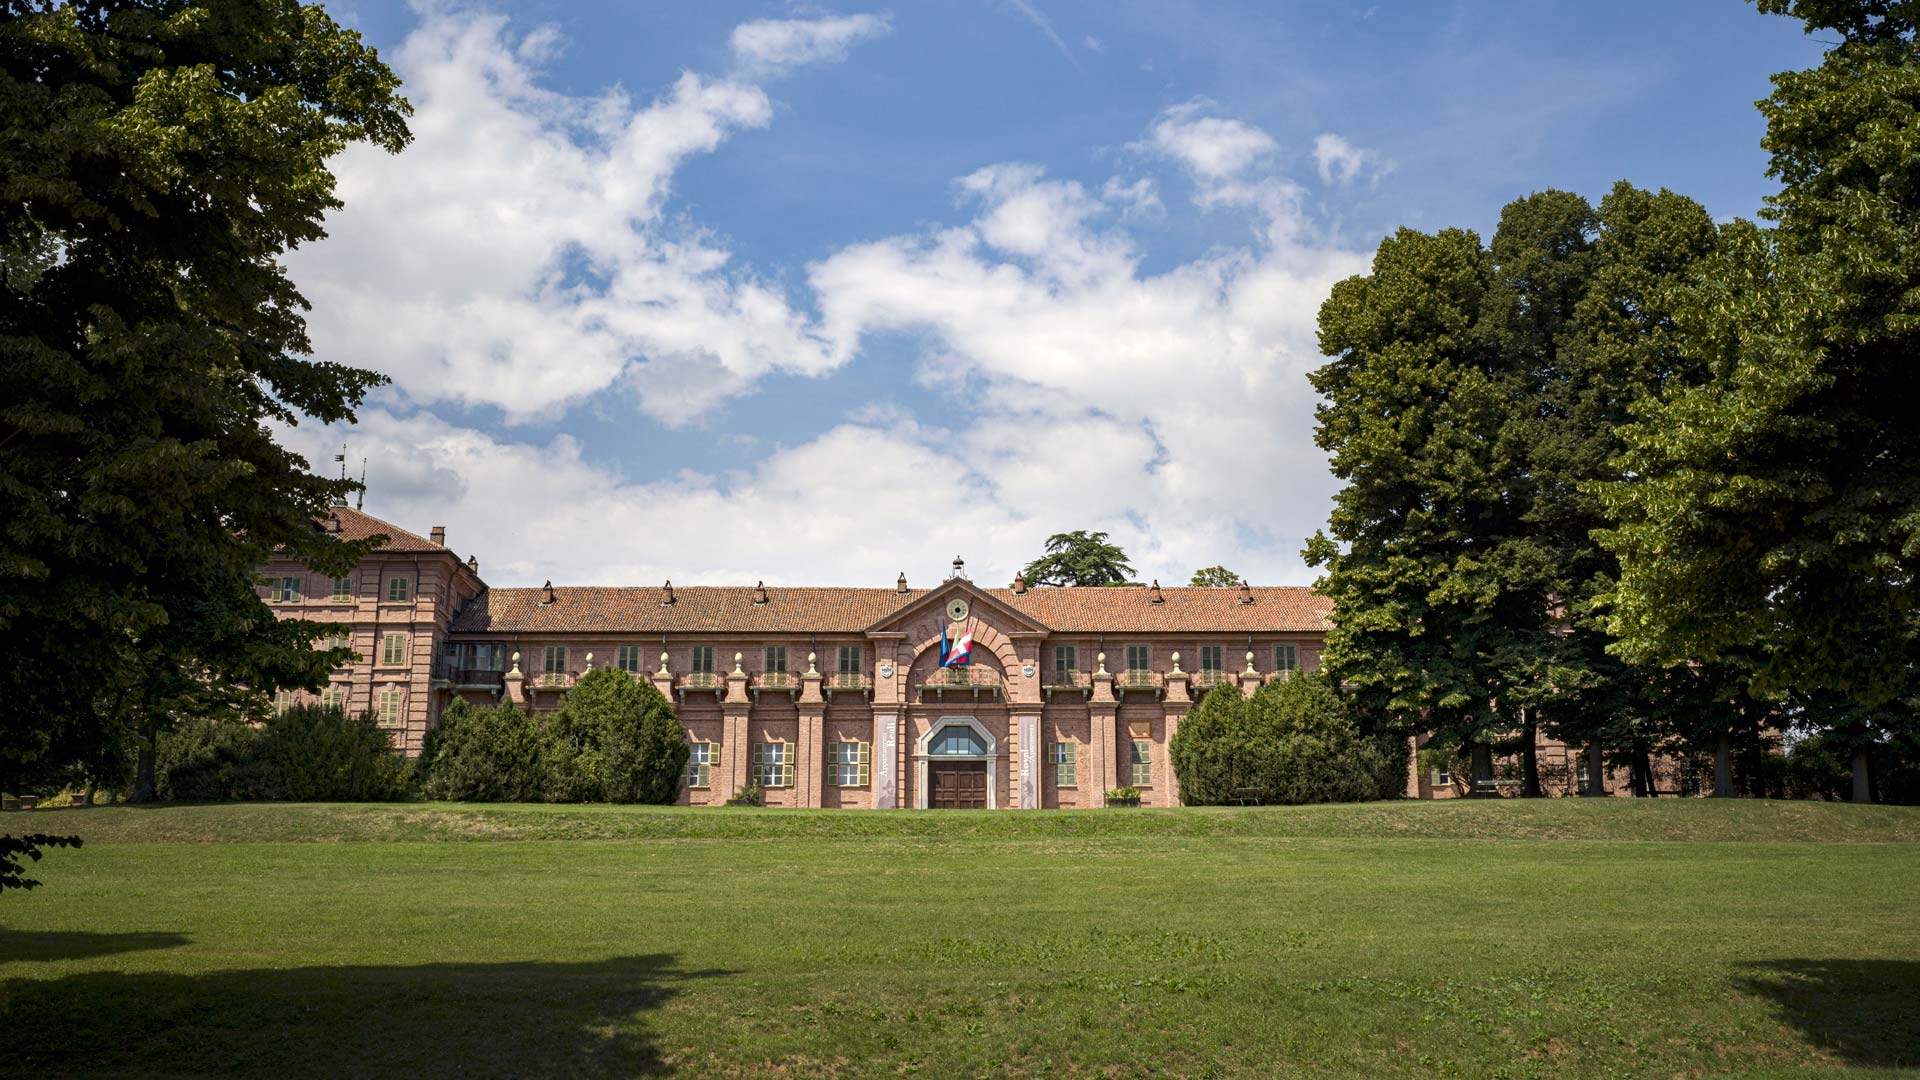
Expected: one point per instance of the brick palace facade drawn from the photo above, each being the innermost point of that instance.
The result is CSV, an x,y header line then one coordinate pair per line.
x,y
828,697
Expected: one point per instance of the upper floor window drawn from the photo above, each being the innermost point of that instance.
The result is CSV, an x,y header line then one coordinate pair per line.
x,y
335,641
393,649
398,589
554,660
1286,659
703,659
776,660
627,659
1210,658
286,590
282,701
1065,660
388,712
343,588
850,660
334,697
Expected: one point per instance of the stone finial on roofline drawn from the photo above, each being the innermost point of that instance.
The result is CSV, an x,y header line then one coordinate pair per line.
x,y
810,668
736,665
1176,664
516,665
1102,661
1250,670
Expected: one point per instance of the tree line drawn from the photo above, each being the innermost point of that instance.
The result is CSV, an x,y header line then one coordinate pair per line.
x,y
1639,479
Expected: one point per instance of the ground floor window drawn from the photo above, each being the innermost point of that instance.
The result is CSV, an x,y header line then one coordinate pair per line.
x,y
1140,763
388,712
700,759
852,762
773,764
1064,769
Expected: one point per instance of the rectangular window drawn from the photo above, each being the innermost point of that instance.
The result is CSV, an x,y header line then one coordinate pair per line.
x,y
1065,774
776,660
627,659
393,649
773,764
282,701
334,641
334,697
1140,763
1286,660
287,590
554,660
852,762
850,660
1442,776
343,588
389,711
1138,658
1210,658
1065,663
700,759
703,659
397,590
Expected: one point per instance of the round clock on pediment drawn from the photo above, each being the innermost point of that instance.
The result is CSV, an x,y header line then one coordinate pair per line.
x,y
957,609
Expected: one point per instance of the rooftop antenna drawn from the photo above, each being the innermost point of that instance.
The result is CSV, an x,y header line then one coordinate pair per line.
x,y
360,502
341,459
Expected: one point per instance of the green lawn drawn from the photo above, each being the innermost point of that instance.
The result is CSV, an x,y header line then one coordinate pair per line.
x,y
1554,939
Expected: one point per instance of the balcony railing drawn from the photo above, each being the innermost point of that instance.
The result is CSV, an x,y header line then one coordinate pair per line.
x,y
552,680
1207,678
964,680
848,680
778,680
459,676
701,680
1137,679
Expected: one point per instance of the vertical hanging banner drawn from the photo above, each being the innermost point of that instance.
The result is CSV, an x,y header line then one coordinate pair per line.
x,y
886,762
1029,762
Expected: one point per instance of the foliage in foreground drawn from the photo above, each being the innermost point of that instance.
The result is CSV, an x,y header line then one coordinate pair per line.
x,y
308,753
14,848
1292,742
615,739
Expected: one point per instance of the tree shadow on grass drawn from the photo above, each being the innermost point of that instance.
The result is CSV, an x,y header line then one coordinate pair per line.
x,y
468,1020
78,944
1866,1012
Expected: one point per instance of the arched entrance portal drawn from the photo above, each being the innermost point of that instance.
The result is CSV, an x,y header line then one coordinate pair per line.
x,y
956,765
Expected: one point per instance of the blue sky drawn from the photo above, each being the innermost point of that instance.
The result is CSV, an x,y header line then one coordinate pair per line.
x,y
725,292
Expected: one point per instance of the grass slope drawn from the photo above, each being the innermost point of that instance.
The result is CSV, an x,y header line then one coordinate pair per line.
x,y
1562,939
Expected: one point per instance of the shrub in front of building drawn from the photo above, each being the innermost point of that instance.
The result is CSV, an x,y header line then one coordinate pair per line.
x,y
615,739
1293,741
308,753
493,753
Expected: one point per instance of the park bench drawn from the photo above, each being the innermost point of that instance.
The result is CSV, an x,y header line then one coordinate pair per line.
x,y
1246,795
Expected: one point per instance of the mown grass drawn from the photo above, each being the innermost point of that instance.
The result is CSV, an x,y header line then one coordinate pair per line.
x,y
1562,939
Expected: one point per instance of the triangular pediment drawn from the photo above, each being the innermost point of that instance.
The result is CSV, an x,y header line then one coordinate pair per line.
x,y
982,606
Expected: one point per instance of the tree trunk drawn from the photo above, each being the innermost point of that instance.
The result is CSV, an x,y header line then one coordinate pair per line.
x,y
1596,770
145,790
1723,767
1640,769
1529,757
91,788
1862,789
1483,772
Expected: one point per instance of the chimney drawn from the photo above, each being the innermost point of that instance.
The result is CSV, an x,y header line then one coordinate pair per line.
x,y
1019,585
473,564
1246,592
759,593
900,586
666,597
1153,594
438,534
548,602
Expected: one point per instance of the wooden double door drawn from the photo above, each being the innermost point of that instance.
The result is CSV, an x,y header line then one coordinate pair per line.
x,y
957,785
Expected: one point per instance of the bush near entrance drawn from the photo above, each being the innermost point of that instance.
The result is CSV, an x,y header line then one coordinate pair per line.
x,y
1293,741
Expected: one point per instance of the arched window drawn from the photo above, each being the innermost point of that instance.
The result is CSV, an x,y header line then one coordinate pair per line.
x,y
956,741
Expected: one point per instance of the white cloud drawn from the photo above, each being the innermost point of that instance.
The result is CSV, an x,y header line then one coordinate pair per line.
x,y
518,255
769,47
1214,149
1341,162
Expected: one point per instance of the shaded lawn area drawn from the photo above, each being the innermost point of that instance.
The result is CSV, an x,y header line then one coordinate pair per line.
x,y
1349,941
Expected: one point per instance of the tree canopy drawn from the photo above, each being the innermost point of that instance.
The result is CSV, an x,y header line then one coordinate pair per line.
x,y
1079,558
158,158
1214,577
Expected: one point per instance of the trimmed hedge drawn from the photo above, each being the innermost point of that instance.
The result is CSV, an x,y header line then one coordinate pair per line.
x,y
493,753
615,739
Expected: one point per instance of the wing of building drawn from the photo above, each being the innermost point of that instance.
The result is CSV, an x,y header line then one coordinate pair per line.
x,y
823,696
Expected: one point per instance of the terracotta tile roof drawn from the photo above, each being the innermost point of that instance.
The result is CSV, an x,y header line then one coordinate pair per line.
x,y
1181,610
730,609
355,525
